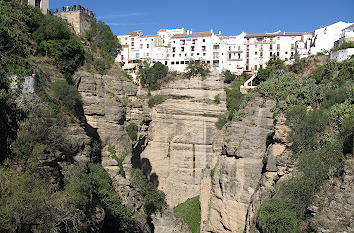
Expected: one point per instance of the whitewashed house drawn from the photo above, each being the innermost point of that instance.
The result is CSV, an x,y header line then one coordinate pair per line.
x,y
347,35
261,47
324,38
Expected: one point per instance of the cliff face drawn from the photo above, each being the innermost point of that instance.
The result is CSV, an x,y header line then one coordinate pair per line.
x,y
238,170
182,133
110,103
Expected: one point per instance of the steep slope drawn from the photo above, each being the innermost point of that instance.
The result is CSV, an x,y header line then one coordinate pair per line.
x,y
183,135
228,188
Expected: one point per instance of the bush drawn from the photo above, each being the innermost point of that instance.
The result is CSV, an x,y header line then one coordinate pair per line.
x,y
229,77
189,212
298,65
306,127
154,199
274,66
217,99
221,122
277,216
100,65
345,45
132,130
197,68
151,77
233,99
68,95
155,100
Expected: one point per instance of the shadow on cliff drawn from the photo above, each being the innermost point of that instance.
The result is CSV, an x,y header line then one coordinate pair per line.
x,y
143,163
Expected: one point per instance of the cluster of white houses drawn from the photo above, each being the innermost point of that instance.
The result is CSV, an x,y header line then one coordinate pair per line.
x,y
244,52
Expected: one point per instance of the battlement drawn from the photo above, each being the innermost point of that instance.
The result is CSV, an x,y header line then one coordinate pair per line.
x,y
79,20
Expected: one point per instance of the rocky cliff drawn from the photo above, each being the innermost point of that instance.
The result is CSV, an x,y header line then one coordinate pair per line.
x,y
183,136
228,187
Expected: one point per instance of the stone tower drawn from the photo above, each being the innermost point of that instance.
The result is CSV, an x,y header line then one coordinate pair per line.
x,y
42,4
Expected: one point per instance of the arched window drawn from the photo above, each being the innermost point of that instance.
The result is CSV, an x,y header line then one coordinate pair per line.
x,y
38,3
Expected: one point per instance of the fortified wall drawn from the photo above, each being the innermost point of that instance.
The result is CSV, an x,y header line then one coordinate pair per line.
x,y
79,20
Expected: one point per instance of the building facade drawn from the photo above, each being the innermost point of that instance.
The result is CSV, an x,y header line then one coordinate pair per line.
x,y
244,52
261,47
41,4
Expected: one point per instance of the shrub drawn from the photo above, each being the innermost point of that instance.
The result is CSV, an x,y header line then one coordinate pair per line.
x,y
221,122
228,76
132,130
298,65
189,212
345,45
217,99
197,68
151,77
233,99
274,66
277,216
100,65
306,127
68,95
154,199
155,100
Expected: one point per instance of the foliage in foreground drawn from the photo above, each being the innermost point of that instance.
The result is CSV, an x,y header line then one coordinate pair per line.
x,y
152,76
189,212
195,68
320,113
154,199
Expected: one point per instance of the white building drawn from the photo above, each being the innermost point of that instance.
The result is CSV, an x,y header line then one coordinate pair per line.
x,y
302,46
176,47
41,4
323,38
261,47
347,35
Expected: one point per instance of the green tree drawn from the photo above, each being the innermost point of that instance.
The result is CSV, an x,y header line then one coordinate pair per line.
x,y
197,68
228,76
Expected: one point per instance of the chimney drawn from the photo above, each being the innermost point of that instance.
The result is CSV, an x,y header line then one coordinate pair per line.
x,y
220,33
211,30
187,32
191,31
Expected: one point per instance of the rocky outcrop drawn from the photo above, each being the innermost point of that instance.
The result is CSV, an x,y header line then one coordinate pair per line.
x,y
182,133
238,171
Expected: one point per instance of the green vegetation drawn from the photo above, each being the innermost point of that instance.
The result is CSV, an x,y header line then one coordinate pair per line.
x,y
132,130
229,77
345,45
119,160
41,187
155,100
151,77
274,66
68,95
276,216
154,199
195,68
319,111
103,47
189,212
217,99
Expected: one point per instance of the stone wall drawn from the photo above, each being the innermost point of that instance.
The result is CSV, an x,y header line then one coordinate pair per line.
x,y
79,21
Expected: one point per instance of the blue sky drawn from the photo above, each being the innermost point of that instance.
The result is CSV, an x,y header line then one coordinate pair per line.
x,y
231,17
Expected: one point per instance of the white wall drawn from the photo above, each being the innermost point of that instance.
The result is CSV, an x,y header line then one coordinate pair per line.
x,y
342,54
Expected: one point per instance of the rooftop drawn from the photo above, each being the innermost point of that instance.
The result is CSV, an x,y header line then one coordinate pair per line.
x,y
195,34
274,34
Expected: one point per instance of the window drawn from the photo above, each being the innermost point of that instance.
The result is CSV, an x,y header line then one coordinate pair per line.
x,y
255,53
246,67
132,39
172,62
173,55
197,54
239,55
278,54
278,46
147,46
180,55
292,46
141,46
239,48
248,47
247,61
286,52
147,54
261,54
270,54
182,49
165,63
247,54
216,47
260,66
203,48
173,49
132,44
194,40
255,67
204,54
292,53
229,48
203,40
271,47
192,48
182,62
192,54
229,55
177,62
137,55
183,42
